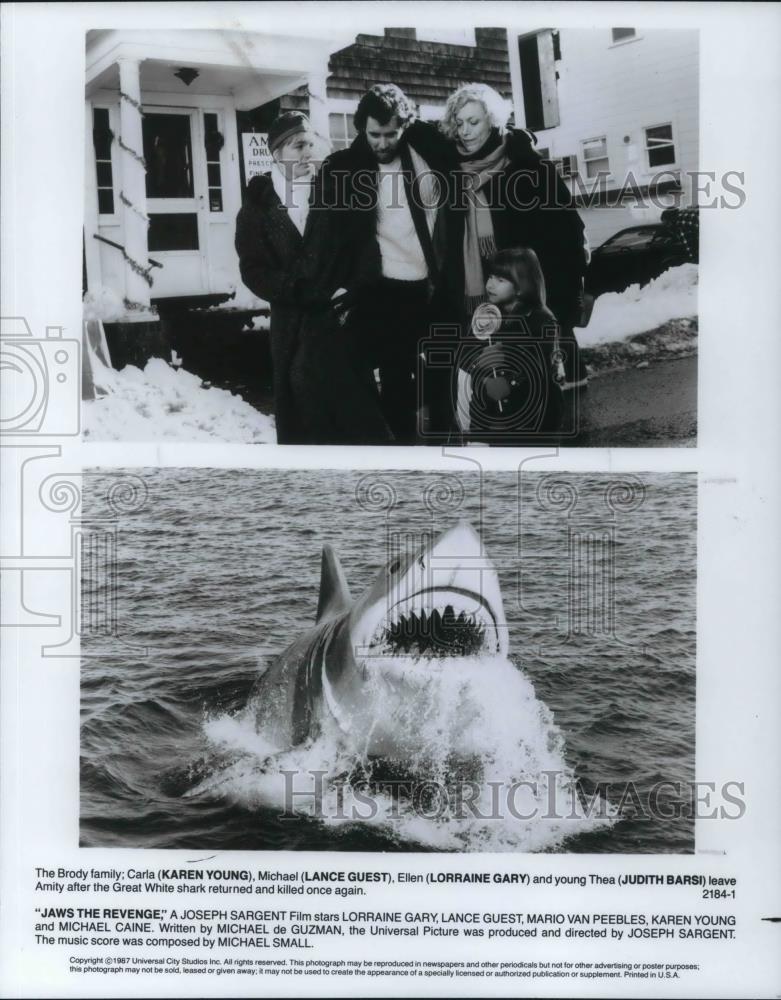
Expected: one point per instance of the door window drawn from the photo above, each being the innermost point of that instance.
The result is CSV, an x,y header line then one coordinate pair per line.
x,y
168,155
173,231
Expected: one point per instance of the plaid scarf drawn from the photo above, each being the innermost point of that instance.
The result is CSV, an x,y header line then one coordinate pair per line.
x,y
479,242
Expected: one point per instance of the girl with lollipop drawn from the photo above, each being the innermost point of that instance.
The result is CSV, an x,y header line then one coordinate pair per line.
x,y
512,370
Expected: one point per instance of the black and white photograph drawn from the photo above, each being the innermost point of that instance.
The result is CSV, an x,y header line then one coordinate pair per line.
x,y
389,569
466,236
390,661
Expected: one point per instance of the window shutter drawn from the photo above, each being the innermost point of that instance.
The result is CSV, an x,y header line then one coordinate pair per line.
x,y
548,81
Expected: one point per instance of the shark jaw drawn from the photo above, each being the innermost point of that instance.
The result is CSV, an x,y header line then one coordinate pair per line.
x,y
443,604
436,625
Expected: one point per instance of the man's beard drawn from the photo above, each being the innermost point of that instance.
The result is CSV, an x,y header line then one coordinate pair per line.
x,y
387,155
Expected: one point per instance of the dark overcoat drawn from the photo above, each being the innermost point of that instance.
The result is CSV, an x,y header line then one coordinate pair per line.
x,y
319,396
531,206
269,246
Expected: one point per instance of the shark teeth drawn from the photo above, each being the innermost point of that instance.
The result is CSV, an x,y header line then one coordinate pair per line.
x,y
435,631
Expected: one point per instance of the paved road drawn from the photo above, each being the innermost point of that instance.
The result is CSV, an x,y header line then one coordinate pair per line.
x,y
654,407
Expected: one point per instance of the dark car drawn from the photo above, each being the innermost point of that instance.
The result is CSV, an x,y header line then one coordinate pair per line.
x,y
639,254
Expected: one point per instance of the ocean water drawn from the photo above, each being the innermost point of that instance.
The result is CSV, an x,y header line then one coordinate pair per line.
x,y
215,572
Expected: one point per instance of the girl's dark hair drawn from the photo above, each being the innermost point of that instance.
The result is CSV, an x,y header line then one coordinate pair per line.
x,y
513,264
384,102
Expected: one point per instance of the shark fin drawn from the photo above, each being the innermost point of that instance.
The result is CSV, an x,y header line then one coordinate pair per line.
x,y
334,593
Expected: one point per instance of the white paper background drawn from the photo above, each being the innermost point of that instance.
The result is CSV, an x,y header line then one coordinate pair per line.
x,y
738,687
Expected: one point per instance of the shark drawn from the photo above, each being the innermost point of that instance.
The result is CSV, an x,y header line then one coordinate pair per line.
x,y
370,668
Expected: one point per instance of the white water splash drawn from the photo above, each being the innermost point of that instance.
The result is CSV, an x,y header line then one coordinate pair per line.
x,y
477,755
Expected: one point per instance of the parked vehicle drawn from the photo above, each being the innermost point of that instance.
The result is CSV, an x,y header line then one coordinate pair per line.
x,y
639,254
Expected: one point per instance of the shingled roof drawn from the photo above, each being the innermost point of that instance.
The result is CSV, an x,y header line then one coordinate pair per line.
x,y
426,71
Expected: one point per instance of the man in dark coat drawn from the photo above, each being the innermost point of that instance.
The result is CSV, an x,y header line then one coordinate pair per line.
x,y
378,236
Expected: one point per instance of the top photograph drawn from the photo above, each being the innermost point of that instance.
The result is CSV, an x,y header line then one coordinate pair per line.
x,y
475,237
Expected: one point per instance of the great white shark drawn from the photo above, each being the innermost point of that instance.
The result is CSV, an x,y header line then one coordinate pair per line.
x,y
369,667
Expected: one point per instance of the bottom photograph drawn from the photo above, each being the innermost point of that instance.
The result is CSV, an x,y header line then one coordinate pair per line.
x,y
388,661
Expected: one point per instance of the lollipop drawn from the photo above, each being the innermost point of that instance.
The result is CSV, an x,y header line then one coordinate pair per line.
x,y
486,321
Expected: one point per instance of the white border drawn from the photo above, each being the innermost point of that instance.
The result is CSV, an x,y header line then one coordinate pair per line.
x,y
737,455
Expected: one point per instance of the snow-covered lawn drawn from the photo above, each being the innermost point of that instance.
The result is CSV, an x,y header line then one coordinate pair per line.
x,y
616,316
162,403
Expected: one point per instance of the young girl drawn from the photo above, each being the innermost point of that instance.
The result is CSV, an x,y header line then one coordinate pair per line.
x,y
512,382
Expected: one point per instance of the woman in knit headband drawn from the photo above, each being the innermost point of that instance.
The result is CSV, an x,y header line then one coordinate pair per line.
x,y
318,398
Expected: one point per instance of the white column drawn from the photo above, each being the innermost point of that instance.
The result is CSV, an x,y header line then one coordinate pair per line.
x,y
515,78
318,100
91,245
132,182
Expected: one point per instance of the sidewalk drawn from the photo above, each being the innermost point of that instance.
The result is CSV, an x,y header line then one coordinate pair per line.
x,y
653,407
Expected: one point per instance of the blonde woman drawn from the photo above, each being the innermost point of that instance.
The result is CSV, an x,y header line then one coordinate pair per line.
x,y
511,197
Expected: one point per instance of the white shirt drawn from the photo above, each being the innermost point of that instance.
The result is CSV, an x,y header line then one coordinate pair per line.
x,y
402,254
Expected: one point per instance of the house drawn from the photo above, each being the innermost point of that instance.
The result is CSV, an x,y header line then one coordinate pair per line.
x,y
163,153
618,108
176,123
178,120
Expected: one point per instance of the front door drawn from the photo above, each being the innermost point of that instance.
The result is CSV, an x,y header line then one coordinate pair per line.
x,y
176,200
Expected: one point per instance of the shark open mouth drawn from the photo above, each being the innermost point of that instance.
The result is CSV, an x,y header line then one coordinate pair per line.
x,y
436,624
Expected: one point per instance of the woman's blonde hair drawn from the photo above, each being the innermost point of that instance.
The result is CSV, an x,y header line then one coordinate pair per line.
x,y
496,107
512,264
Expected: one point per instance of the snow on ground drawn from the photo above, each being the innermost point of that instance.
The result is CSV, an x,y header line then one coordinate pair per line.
x,y
104,304
616,316
162,403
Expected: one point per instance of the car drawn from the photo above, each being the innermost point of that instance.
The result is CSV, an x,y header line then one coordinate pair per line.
x,y
639,254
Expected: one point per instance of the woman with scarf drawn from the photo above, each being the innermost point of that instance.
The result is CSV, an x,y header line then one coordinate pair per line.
x,y
509,197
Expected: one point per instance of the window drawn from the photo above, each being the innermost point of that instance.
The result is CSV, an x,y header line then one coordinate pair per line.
x,y
568,166
623,34
102,138
341,130
632,239
172,231
168,155
659,145
213,141
595,157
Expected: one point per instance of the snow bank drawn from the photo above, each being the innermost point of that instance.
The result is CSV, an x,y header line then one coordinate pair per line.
x,y
104,304
243,298
616,316
163,404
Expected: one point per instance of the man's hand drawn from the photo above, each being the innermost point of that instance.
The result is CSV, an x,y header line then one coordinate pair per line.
x,y
520,149
339,305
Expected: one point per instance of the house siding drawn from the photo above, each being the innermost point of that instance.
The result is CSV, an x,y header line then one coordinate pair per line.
x,y
617,90
603,89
